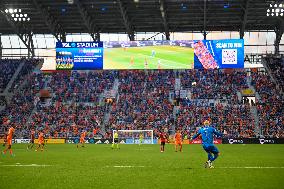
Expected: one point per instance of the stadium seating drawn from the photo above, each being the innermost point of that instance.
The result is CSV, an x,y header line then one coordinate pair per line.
x,y
143,102
7,70
276,66
269,106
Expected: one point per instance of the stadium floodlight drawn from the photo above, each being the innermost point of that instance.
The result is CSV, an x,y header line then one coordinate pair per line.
x,y
20,19
15,10
15,19
6,10
24,19
17,15
21,15
28,19
281,14
25,15
11,11
13,15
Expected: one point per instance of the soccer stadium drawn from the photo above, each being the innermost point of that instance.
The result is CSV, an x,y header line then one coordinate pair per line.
x,y
141,94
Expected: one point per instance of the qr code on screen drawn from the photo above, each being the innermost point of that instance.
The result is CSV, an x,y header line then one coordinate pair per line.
x,y
229,56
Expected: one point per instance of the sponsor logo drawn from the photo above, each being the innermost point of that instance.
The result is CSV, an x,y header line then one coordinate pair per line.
x,y
106,142
269,141
122,142
66,45
156,43
99,142
125,45
238,141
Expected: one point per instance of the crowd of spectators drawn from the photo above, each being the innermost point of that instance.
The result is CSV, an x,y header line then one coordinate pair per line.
x,y
276,66
80,86
213,84
233,120
7,70
22,103
27,69
143,102
270,106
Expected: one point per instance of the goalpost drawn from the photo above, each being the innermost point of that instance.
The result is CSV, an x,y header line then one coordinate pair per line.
x,y
132,136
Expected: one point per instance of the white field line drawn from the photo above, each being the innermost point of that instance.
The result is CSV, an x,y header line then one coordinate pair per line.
x,y
28,165
126,166
250,167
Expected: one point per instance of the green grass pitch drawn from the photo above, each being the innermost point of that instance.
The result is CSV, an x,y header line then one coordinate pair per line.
x,y
170,57
98,166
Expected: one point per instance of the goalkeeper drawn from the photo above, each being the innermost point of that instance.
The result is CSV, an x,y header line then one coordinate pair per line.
x,y
115,141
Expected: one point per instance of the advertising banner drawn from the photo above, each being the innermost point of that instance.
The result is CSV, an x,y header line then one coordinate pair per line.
x,y
21,141
199,141
136,141
215,54
253,141
52,141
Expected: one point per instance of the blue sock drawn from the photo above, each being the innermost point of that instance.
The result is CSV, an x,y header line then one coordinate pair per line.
x,y
210,156
215,157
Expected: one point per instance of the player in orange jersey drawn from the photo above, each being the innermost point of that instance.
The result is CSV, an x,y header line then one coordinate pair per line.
x,y
178,141
9,141
40,141
82,139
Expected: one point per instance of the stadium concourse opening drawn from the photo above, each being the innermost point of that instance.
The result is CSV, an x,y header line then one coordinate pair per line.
x,y
141,94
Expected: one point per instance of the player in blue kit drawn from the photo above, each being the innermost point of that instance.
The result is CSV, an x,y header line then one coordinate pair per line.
x,y
207,134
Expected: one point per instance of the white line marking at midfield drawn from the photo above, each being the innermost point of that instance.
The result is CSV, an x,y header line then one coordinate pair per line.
x,y
250,167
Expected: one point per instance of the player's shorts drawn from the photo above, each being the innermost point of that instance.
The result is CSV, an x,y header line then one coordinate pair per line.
x,y
9,142
116,140
211,149
40,142
178,143
163,143
82,140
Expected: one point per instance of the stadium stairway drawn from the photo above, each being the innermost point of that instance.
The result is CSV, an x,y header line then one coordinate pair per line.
x,y
249,79
107,113
14,77
253,111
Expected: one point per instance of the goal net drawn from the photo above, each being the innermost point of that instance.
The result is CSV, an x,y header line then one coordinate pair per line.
x,y
133,136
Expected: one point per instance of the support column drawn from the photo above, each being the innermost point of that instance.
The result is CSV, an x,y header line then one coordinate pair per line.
x,y
204,19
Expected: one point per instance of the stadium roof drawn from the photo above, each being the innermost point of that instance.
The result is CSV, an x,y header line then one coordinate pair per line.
x,y
59,17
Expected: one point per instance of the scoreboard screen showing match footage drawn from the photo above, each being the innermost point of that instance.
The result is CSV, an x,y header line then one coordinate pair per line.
x,y
176,54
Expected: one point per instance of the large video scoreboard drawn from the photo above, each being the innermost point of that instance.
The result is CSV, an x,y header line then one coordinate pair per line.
x,y
176,54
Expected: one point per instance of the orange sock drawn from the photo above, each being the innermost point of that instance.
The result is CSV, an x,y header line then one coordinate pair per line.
x,y
4,151
11,152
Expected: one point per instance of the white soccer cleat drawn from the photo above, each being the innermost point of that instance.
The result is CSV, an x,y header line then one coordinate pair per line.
x,y
208,164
